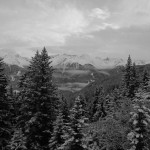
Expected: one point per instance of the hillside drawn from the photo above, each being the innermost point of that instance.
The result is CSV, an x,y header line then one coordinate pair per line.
x,y
72,73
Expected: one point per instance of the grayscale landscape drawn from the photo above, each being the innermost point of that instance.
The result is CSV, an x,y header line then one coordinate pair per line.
x,y
74,75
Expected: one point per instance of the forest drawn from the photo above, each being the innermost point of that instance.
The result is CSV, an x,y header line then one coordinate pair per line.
x,y
38,117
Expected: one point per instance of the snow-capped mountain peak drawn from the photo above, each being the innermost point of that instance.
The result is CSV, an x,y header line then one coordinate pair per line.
x,y
12,58
66,61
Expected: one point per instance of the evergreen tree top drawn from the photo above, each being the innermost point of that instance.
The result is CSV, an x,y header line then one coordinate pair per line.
x,y
39,101
129,61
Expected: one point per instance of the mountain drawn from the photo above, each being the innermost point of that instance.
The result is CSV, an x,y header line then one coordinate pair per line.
x,y
72,72
12,58
66,61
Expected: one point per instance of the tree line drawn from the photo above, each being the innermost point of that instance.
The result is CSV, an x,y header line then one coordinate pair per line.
x,y
39,118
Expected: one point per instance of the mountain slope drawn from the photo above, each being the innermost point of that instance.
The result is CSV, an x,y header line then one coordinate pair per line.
x,y
12,58
65,61
77,62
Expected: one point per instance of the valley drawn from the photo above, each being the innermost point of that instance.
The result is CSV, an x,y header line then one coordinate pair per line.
x,y
72,73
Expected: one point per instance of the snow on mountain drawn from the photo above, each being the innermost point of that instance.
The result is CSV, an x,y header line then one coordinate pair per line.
x,y
12,58
66,61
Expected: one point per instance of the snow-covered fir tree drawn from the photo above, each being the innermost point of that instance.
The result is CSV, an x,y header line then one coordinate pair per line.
x,y
113,102
135,80
99,108
92,141
18,141
95,104
74,135
39,102
140,125
145,80
57,136
109,105
64,109
12,100
128,73
5,123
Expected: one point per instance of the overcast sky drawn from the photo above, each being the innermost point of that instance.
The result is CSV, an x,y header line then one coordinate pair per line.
x,y
114,28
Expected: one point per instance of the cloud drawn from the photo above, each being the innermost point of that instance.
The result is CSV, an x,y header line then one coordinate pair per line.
x,y
39,22
47,26
100,14
83,23
70,20
132,13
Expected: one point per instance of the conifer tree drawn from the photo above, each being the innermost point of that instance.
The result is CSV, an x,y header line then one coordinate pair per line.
x,y
64,109
145,80
109,105
92,141
127,76
18,141
12,100
74,135
139,135
57,136
60,125
117,97
39,102
99,108
5,123
95,103
135,79
113,102
130,79
85,105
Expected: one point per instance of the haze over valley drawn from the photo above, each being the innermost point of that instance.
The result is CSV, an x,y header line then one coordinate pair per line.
x,y
74,74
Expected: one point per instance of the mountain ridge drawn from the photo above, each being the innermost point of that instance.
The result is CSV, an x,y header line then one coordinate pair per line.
x,y
66,61
12,58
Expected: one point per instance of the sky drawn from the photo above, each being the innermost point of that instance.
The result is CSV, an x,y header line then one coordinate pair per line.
x,y
105,28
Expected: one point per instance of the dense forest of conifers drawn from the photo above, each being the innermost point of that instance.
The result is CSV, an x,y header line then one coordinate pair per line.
x,y
38,117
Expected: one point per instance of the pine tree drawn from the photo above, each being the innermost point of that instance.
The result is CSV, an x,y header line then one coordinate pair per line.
x,y
109,105
99,108
130,79
117,98
140,119
12,100
64,109
74,135
85,104
92,141
39,102
95,103
127,76
113,102
145,80
5,123
18,141
135,80
57,137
